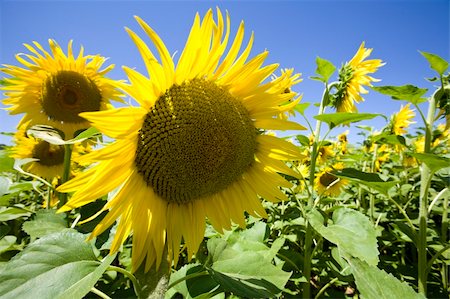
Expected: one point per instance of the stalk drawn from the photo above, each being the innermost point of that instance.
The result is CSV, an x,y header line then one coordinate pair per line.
x,y
66,173
425,179
309,229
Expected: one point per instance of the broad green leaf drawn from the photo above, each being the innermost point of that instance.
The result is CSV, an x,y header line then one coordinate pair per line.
x,y
374,283
11,213
434,162
60,265
4,185
52,136
369,179
388,138
6,162
243,263
339,118
44,223
408,93
437,63
193,287
8,243
351,231
303,140
301,107
91,132
324,68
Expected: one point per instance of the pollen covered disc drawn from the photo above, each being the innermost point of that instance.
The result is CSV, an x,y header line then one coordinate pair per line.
x,y
195,141
65,94
48,154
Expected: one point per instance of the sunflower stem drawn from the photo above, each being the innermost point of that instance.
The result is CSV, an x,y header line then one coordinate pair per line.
x,y
425,180
66,173
312,172
154,283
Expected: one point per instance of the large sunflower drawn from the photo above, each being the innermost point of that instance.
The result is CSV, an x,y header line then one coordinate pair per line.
x,y
194,148
53,88
353,76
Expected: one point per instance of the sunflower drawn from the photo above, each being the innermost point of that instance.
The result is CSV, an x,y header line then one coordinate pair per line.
x,y
49,157
402,120
352,77
341,145
53,88
195,146
326,183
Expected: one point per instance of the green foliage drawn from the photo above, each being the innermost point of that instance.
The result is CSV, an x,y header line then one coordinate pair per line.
x,y
437,63
325,70
343,118
409,93
64,256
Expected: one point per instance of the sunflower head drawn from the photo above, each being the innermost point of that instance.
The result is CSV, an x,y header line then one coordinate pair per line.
x,y
326,183
49,158
353,75
52,88
402,119
195,148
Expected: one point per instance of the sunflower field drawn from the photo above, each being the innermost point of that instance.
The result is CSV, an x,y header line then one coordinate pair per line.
x,y
180,183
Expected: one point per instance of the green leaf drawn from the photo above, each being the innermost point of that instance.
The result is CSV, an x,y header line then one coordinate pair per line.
x,y
52,136
60,265
8,243
339,118
325,69
243,263
389,138
437,63
434,162
301,107
4,185
11,213
408,93
369,179
374,283
6,162
351,231
303,140
45,222
192,287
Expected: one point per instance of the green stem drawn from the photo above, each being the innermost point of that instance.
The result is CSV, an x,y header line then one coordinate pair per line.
x,y
312,172
137,286
154,283
99,293
425,180
187,277
66,173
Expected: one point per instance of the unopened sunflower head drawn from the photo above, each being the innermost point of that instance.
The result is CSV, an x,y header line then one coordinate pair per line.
x,y
195,148
353,76
402,120
52,88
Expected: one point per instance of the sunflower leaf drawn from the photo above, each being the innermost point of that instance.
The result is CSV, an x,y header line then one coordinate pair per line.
x,y
6,162
374,283
409,93
243,264
437,63
339,118
351,231
433,162
60,265
44,223
371,180
325,69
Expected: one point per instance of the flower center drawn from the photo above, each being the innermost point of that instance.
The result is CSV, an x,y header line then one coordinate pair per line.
x,y
327,179
67,93
48,154
195,141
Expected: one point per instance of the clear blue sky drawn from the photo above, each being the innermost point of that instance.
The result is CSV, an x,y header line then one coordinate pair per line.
x,y
294,32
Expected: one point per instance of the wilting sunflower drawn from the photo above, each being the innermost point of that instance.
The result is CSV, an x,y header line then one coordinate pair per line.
x,y
50,157
352,77
326,183
402,120
195,146
53,88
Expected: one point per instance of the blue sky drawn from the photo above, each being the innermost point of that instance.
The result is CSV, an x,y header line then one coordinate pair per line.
x,y
294,32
